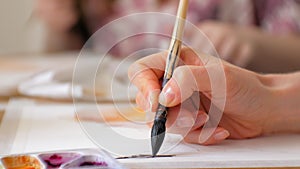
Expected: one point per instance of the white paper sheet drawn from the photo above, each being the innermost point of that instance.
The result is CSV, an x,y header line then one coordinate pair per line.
x,y
44,128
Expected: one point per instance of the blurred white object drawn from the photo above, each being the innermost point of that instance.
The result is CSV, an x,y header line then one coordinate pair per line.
x,y
45,85
16,69
10,82
109,82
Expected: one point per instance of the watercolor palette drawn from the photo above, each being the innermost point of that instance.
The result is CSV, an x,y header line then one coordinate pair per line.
x,y
75,159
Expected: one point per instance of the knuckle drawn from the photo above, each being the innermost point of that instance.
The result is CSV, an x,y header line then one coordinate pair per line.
x,y
180,73
132,70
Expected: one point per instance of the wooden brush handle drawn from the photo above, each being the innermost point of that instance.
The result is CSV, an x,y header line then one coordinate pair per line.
x,y
175,45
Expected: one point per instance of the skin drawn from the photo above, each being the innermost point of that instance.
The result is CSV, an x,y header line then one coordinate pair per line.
x,y
256,104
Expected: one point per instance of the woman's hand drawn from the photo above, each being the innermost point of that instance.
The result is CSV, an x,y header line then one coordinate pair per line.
x,y
250,108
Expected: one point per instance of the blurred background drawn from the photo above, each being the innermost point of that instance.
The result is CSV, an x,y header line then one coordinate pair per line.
x,y
20,32
247,33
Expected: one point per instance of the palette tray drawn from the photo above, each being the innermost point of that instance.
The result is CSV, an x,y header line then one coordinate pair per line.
x,y
75,159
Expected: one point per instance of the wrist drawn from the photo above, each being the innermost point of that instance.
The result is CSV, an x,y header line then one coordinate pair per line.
x,y
284,106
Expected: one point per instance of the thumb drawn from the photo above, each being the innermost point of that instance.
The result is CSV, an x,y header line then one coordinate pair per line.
x,y
186,80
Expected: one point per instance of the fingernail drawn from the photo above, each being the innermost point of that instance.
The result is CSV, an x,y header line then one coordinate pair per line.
x,y
203,118
221,135
167,96
186,121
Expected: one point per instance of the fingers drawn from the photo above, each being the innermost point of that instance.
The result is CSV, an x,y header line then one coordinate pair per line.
x,y
142,102
151,68
201,119
189,125
149,104
185,81
218,136
146,73
181,121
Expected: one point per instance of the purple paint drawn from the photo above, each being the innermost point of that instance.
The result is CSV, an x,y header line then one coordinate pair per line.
x,y
55,157
90,161
58,159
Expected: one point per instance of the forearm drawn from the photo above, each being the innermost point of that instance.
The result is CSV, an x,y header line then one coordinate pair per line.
x,y
276,53
285,108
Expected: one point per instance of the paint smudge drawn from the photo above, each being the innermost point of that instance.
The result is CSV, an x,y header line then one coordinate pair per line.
x,y
145,156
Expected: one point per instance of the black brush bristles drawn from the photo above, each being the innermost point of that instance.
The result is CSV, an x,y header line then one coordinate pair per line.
x,y
158,129
158,133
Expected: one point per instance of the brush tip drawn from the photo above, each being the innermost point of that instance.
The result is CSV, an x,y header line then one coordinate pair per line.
x,y
157,135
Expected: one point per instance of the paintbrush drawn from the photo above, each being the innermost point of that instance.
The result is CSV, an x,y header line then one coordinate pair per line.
x,y
159,125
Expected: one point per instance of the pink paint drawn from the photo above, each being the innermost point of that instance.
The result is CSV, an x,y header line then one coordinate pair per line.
x,y
88,161
93,163
58,159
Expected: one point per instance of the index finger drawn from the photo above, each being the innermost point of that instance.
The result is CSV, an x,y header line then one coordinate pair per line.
x,y
146,72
